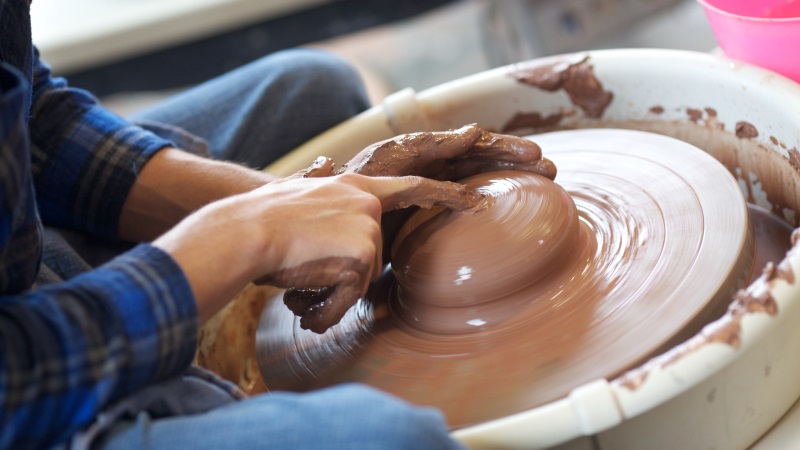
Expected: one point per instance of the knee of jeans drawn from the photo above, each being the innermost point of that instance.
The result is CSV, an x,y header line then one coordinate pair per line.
x,y
314,68
401,424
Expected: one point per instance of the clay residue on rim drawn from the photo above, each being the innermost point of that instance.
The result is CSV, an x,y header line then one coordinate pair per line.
x,y
705,116
756,298
575,76
746,130
794,159
752,162
775,141
694,114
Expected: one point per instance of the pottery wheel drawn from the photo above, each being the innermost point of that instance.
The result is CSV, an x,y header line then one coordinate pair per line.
x,y
666,242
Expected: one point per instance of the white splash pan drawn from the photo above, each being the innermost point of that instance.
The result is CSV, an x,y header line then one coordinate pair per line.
x,y
702,394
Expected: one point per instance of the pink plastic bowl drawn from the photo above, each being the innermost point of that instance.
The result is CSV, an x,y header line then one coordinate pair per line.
x,y
762,32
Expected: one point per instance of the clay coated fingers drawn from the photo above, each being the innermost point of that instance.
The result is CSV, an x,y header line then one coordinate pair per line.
x,y
321,167
471,166
299,300
321,316
321,291
412,154
321,308
444,145
503,147
402,192
467,141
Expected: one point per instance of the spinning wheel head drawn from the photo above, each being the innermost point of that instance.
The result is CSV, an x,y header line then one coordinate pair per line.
x,y
446,261
648,246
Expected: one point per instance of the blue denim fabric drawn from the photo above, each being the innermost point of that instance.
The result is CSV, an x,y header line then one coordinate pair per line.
x,y
342,417
259,112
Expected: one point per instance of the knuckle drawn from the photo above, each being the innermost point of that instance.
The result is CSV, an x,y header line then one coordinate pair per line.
x,y
350,178
365,252
372,206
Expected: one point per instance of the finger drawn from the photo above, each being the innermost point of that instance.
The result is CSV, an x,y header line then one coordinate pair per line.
x,y
317,273
471,166
351,286
321,167
402,192
428,145
298,300
504,147
322,290
443,145
411,153
471,140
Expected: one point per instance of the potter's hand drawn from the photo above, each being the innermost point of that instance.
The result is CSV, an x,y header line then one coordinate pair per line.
x,y
302,231
333,249
450,155
446,155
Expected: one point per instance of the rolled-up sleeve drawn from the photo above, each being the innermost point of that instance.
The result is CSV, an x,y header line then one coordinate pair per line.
x,y
68,350
84,158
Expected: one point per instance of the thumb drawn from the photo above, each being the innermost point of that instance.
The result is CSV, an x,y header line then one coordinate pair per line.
x,y
402,192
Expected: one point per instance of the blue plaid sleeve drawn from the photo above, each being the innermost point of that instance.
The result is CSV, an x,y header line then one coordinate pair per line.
x,y
69,349
84,158
20,234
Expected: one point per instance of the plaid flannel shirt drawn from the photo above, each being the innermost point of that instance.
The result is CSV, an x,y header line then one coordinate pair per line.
x,y
69,349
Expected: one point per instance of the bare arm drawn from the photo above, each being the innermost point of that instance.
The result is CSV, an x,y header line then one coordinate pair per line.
x,y
304,232
175,183
298,231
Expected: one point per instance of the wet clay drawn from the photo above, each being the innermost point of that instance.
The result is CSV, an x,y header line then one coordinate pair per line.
x,y
575,75
794,159
768,177
533,120
773,237
654,226
449,262
746,130
331,286
449,155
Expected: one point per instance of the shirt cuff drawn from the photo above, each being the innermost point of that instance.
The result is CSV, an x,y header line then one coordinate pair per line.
x,y
158,313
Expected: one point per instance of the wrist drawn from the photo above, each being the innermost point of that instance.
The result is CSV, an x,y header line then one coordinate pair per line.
x,y
218,256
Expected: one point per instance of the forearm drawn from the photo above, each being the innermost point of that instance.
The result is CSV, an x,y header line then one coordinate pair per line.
x,y
173,184
89,164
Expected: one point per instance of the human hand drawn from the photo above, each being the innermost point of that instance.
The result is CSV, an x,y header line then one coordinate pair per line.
x,y
445,155
302,232
323,289
450,155
330,272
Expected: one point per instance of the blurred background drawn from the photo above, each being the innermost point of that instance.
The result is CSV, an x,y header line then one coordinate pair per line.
x,y
132,53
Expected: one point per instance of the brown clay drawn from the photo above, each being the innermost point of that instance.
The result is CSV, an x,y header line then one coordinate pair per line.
x,y
449,262
746,130
632,281
574,75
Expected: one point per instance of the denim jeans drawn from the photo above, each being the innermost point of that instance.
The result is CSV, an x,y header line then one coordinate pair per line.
x,y
341,417
254,115
259,112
